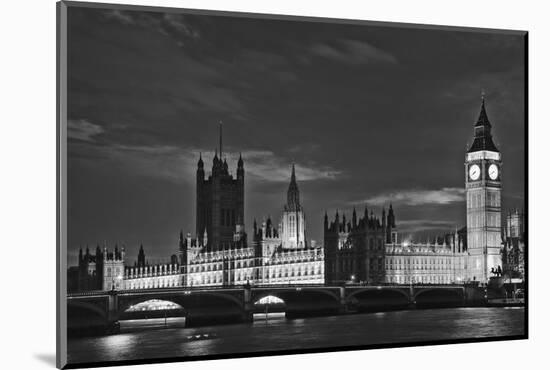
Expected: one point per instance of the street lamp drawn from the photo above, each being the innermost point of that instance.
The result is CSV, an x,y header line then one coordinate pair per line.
x,y
119,277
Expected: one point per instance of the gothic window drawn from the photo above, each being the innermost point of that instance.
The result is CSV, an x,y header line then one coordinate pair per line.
x,y
292,225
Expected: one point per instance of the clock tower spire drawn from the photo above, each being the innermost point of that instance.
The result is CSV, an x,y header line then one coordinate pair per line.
x,y
483,201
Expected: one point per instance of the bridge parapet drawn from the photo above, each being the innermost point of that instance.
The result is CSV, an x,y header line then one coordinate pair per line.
x,y
237,303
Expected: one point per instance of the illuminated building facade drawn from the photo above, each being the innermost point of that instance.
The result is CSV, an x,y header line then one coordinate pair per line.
x,y
155,276
227,267
367,250
118,275
283,254
113,269
275,257
426,263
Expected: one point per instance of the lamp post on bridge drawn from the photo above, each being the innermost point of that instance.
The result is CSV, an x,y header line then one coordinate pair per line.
x,y
411,290
113,283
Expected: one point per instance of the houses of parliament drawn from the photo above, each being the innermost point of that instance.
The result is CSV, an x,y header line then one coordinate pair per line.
x,y
365,248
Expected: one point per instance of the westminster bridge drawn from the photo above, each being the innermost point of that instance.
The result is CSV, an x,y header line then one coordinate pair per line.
x,y
207,306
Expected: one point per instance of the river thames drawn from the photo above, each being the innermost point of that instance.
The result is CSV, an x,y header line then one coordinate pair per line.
x,y
147,339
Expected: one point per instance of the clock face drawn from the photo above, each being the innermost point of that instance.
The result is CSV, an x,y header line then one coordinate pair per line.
x,y
493,171
474,172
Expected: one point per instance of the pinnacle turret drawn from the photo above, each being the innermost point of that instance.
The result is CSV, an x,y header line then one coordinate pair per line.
x,y
293,194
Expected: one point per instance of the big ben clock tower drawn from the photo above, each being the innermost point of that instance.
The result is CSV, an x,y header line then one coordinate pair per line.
x,y
483,201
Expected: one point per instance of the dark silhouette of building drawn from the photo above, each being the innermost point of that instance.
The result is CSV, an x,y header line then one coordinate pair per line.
x,y
90,270
72,279
141,257
513,240
355,249
220,202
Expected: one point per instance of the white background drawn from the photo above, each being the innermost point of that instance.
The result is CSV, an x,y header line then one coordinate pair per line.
x,y
27,203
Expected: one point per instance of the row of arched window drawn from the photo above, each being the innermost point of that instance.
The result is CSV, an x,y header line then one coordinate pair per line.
x,y
151,283
300,272
219,266
217,278
428,279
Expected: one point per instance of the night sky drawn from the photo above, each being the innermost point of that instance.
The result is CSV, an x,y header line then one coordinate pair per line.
x,y
369,114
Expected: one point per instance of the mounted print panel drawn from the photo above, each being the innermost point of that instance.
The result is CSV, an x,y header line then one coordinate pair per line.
x,y
237,184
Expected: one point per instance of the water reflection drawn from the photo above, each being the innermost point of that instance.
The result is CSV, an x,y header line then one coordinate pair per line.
x,y
151,339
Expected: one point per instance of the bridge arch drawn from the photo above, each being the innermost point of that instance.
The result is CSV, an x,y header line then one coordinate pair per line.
x,y
446,291
95,308
267,300
402,292
287,295
302,302
439,297
184,300
374,299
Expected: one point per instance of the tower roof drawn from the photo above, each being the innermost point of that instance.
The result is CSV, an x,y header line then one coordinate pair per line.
x,y
483,140
483,120
293,194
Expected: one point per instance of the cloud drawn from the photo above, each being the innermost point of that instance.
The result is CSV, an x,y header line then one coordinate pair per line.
x,y
179,164
176,23
171,25
120,16
352,52
418,197
415,226
82,129
267,166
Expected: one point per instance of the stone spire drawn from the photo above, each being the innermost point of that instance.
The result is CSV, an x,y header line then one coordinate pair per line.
x,y
293,194
483,140
483,120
